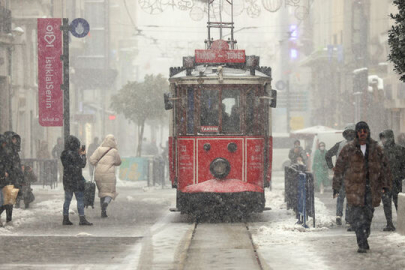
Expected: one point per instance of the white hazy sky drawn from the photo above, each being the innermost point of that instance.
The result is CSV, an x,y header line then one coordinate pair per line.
x,y
178,35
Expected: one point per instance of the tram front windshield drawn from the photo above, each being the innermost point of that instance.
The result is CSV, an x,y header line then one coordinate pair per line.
x,y
225,110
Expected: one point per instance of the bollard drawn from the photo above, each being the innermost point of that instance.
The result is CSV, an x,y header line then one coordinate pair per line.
x,y
401,214
302,198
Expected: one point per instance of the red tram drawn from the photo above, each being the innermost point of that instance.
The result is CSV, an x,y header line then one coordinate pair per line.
x,y
220,144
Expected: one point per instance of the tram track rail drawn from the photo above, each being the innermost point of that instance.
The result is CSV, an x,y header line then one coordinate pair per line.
x,y
219,246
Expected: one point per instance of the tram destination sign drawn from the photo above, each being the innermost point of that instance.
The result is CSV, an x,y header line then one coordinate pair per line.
x,y
220,53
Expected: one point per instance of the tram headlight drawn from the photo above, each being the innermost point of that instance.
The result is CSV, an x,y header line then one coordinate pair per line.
x,y
220,168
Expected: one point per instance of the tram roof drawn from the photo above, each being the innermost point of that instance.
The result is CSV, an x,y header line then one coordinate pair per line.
x,y
211,74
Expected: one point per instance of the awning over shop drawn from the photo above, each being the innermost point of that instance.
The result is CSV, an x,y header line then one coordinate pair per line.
x,y
312,131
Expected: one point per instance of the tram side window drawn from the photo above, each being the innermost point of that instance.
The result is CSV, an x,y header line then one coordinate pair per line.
x,y
181,113
230,111
190,111
209,108
250,112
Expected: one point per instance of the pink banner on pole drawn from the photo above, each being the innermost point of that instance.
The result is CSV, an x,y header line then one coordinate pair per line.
x,y
50,96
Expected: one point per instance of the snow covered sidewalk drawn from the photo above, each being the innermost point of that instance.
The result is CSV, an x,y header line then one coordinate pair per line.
x,y
282,244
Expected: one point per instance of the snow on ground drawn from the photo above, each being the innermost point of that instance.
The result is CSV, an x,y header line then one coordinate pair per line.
x,y
282,244
35,212
281,237
54,206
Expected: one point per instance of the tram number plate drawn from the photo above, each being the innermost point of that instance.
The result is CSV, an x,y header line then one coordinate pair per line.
x,y
209,129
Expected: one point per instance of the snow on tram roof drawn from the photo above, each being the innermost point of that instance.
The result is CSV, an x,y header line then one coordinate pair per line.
x,y
212,71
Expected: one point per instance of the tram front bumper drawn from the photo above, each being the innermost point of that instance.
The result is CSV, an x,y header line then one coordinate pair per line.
x,y
229,195
223,186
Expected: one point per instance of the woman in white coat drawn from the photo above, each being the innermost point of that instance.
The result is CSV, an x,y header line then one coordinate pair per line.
x,y
105,158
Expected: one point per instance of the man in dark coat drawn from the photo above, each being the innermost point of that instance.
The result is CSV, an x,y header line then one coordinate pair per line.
x,y
13,163
74,160
396,159
3,172
364,169
348,134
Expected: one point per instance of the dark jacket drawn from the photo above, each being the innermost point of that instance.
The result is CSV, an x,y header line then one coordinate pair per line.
x,y
352,167
396,159
13,162
3,163
73,163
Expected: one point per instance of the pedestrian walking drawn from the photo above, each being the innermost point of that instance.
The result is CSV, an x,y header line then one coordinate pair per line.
x,y
106,158
56,153
43,152
363,167
92,148
320,168
396,160
3,172
26,190
297,151
348,134
74,160
13,163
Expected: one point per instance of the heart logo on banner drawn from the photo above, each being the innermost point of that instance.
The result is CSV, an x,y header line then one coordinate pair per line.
x,y
49,39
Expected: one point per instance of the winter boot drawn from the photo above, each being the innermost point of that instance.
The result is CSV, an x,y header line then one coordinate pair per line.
x,y
83,221
339,221
390,227
104,214
66,220
9,212
104,211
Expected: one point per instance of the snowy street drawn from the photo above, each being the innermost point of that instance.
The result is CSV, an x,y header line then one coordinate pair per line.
x,y
141,233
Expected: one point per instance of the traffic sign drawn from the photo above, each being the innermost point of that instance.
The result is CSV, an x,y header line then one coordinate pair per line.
x,y
79,27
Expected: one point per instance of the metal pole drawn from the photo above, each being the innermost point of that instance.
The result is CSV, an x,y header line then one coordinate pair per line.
x,y
288,105
232,42
209,26
65,86
10,87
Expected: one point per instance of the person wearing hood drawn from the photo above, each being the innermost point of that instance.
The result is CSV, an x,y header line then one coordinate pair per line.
x,y
105,158
297,151
396,160
364,168
320,168
3,172
13,163
73,160
348,134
